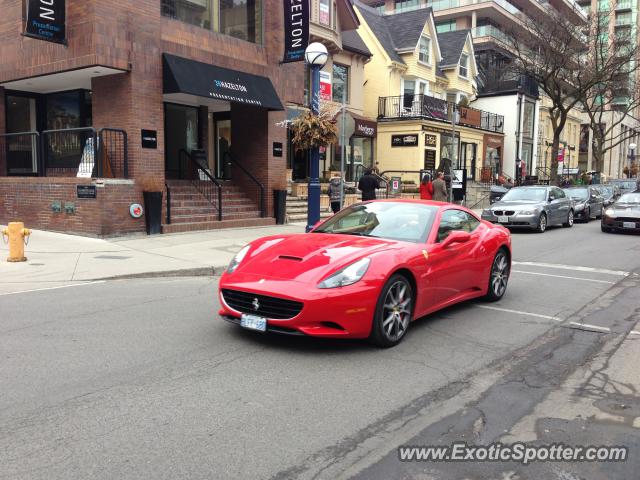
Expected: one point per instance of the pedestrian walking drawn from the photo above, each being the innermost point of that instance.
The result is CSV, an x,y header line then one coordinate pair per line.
x,y
367,185
426,188
335,193
440,188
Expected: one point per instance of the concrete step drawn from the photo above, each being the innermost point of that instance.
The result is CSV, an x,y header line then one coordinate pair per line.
x,y
214,225
302,217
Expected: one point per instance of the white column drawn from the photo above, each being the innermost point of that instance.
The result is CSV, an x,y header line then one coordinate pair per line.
x,y
536,129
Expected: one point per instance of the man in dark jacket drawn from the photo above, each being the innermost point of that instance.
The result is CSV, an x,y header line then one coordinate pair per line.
x,y
440,193
367,185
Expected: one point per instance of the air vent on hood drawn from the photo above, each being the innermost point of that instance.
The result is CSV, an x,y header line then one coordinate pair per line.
x,y
290,257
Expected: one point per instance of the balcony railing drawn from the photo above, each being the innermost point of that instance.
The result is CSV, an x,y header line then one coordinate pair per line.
x,y
438,5
491,31
425,107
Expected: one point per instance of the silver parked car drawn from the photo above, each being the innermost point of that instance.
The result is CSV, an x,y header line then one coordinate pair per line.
x,y
535,207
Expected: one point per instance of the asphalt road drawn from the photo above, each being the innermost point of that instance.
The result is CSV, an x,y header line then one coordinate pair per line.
x,y
141,379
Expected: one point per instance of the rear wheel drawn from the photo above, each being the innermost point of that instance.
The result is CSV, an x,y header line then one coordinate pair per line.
x,y
393,314
499,276
569,222
542,223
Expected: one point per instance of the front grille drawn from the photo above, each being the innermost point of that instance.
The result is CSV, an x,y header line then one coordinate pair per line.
x,y
269,307
500,213
627,219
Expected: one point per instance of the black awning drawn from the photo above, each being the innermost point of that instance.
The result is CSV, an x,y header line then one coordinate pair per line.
x,y
181,75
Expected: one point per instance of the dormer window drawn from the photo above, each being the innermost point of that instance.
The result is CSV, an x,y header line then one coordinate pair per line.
x,y
463,69
424,50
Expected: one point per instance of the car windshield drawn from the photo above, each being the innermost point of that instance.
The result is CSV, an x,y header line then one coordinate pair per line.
x,y
578,193
607,190
410,222
527,194
629,199
626,184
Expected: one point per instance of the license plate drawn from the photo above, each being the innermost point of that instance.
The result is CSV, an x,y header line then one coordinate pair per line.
x,y
253,322
503,219
629,224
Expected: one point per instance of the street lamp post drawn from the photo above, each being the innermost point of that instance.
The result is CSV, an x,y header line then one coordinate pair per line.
x,y
316,56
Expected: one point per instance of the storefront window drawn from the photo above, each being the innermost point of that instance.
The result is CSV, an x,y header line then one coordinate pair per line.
x,y
181,133
237,18
340,83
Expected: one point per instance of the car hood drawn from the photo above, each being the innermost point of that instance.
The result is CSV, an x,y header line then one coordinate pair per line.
x,y
515,204
623,211
308,257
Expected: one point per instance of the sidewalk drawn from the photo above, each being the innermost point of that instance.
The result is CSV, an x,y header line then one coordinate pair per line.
x,y
56,257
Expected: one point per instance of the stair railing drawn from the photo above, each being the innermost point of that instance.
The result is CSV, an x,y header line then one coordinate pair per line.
x,y
202,180
263,207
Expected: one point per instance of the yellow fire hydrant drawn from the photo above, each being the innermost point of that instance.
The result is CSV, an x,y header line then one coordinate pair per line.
x,y
18,237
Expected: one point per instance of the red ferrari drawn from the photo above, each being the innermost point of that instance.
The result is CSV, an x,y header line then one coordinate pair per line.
x,y
367,272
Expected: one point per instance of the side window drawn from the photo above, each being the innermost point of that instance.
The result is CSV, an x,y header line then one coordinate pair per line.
x,y
559,193
456,220
552,194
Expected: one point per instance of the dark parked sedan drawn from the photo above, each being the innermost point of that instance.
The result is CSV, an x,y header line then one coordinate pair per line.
x,y
587,202
610,192
624,215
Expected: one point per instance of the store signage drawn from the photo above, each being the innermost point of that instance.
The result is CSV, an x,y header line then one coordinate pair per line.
x,y
470,116
46,20
149,139
396,185
429,159
325,85
365,128
430,140
404,140
86,191
296,29
429,128
277,149
136,210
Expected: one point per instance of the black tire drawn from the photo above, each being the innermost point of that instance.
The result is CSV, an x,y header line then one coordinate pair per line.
x,y
498,276
542,223
570,220
605,229
587,217
599,217
394,312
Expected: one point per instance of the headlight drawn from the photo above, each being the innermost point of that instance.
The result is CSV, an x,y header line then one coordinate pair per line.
x,y
237,259
347,275
579,207
526,212
610,212
486,211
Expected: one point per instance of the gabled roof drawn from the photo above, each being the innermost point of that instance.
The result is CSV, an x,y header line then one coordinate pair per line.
x,y
451,46
398,32
353,42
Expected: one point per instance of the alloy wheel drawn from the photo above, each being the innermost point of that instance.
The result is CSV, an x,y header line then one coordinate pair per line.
x,y
542,223
499,275
396,311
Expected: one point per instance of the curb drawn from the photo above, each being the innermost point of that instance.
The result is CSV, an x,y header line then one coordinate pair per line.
x,y
183,272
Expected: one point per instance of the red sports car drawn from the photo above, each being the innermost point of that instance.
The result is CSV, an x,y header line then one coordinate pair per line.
x,y
367,272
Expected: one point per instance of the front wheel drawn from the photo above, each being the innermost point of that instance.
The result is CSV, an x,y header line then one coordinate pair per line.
x,y
499,276
393,314
605,229
569,222
587,217
599,217
542,223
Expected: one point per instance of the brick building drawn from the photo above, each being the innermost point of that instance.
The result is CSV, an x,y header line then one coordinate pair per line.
x,y
186,80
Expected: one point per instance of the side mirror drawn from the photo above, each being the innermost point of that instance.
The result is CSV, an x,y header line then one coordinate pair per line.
x,y
457,236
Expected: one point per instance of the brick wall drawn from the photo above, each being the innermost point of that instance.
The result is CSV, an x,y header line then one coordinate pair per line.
x,y
29,200
3,129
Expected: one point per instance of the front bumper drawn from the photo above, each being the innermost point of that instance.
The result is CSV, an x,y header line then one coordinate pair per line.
x,y
514,221
615,224
338,312
580,215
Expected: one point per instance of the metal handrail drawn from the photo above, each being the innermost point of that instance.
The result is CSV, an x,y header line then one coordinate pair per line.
x,y
166,185
263,212
94,135
183,153
38,147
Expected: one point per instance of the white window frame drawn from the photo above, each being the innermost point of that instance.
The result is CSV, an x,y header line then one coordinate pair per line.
x,y
466,67
428,39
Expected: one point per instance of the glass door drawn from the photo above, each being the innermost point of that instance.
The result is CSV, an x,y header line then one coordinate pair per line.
x,y
223,148
21,150
181,133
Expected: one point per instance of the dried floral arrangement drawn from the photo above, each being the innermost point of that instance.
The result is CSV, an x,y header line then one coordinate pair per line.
x,y
311,131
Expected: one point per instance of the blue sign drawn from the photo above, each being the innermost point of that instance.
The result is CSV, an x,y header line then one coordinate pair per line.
x,y
296,29
46,20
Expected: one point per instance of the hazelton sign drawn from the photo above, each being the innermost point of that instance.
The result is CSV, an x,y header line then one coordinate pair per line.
x,y
296,29
46,20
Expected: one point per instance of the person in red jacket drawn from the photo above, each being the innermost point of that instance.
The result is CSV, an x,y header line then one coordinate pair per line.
x,y
426,188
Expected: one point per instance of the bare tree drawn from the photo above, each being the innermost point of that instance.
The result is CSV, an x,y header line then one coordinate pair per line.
x,y
615,99
568,60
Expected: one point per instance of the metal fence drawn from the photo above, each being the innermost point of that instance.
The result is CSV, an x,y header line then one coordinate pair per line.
x,y
75,152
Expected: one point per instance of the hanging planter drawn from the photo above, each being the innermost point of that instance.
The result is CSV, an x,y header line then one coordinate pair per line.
x,y
312,131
